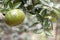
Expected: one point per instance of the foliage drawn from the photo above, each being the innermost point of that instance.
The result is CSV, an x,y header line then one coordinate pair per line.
x,y
45,10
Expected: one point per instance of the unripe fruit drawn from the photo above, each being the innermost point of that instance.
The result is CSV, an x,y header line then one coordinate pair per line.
x,y
14,17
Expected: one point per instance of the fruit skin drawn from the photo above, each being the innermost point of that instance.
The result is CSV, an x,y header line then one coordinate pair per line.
x,y
14,17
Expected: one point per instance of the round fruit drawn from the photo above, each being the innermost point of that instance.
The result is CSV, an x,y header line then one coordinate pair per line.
x,y
14,17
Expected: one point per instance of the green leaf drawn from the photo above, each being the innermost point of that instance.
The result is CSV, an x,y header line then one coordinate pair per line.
x,y
45,23
35,2
55,13
48,33
34,24
40,18
4,11
10,5
5,1
16,5
30,7
43,12
15,1
43,2
57,9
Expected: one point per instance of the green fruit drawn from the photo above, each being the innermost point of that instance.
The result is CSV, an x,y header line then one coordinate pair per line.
x,y
14,17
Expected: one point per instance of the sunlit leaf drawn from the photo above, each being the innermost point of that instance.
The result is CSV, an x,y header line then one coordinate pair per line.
x,y
16,5
43,12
